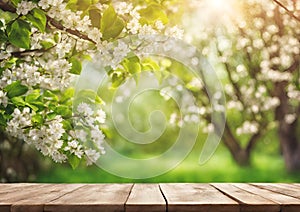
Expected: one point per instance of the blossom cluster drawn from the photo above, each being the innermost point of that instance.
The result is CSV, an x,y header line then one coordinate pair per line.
x,y
35,98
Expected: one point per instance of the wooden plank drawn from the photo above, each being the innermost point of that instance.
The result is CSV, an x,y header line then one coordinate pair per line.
x,y
297,185
248,201
145,197
35,202
9,198
12,187
288,204
92,197
196,197
288,185
286,190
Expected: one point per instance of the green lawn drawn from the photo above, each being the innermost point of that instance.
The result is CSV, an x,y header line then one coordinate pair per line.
x,y
220,168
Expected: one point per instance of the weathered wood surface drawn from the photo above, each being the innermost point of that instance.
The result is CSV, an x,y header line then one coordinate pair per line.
x,y
229,197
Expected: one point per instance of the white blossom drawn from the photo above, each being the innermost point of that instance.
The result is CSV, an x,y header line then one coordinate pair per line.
x,y
290,118
24,7
3,98
95,35
100,116
174,32
84,109
74,148
91,156
20,120
123,8
247,128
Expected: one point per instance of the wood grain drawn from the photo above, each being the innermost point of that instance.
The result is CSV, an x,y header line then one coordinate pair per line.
x,y
41,196
288,204
145,197
196,197
17,194
92,197
221,197
282,189
248,201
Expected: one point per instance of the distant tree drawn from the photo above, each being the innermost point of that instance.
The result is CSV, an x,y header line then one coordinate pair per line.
x,y
259,51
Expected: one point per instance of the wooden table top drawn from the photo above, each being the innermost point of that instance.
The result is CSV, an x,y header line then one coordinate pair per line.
x,y
229,197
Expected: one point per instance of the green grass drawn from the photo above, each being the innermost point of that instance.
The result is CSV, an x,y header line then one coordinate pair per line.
x,y
220,168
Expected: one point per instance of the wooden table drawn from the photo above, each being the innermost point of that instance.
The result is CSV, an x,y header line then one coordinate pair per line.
x,y
150,197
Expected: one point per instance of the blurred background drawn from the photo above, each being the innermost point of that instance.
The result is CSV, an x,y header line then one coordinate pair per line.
x,y
254,47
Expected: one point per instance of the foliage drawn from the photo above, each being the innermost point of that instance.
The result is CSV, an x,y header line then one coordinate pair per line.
x,y
43,44
256,49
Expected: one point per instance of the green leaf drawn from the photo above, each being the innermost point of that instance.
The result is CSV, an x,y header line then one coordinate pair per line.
x,y
67,95
104,1
111,24
64,111
67,125
16,2
47,44
83,4
74,161
18,101
38,119
3,37
2,120
19,34
99,100
153,13
76,66
33,107
51,116
150,65
134,67
33,97
15,89
38,19
48,95
72,5
95,17
117,80
88,96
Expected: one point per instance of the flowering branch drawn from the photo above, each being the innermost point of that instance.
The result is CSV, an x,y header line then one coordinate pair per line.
x,y
287,10
70,31
293,67
29,52
6,7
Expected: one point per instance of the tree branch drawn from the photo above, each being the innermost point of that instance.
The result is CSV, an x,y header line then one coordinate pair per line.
x,y
28,52
293,67
70,31
7,7
290,13
235,86
254,138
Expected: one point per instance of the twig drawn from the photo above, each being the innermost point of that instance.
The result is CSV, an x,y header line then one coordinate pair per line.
x,y
28,52
70,31
287,10
7,7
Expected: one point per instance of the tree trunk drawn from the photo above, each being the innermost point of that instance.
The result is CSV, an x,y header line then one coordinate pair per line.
x,y
290,145
18,162
240,155
287,132
242,158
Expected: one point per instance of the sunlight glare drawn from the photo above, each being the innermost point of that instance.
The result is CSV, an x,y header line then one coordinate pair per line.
x,y
217,4
224,9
